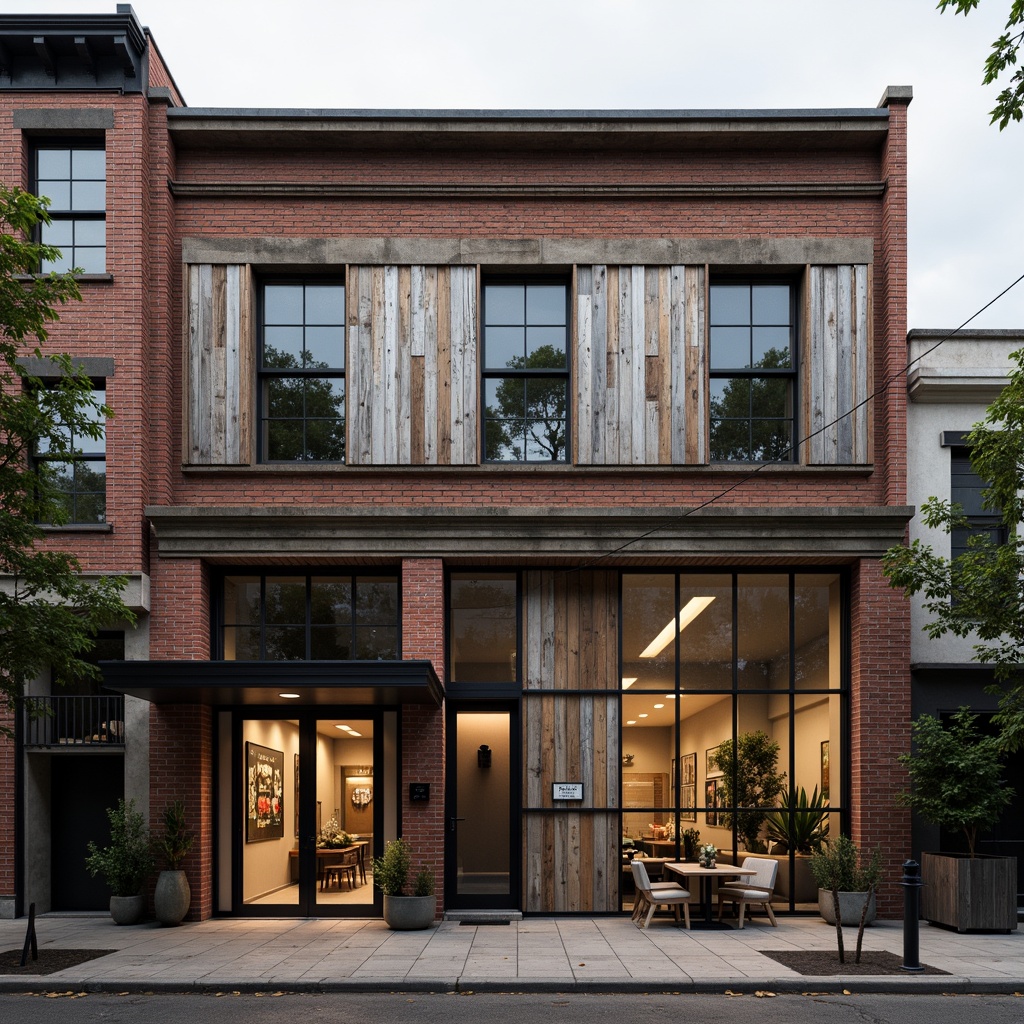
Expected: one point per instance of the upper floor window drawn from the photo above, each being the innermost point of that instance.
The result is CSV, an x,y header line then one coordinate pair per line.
x,y
337,617
302,371
967,489
74,464
525,370
74,178
753,371
483,626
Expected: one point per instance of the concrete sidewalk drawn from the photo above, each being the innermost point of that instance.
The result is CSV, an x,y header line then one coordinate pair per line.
x,y
535,954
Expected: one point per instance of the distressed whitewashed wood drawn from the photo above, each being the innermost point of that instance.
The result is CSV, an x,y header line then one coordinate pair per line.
x,y
220,365
836,369
583,367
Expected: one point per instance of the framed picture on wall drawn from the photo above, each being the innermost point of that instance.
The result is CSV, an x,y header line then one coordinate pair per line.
x,y
824,769
264,817
711,801
688,803
709,772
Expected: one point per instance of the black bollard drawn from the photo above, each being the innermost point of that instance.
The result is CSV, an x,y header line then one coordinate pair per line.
x,y
911,915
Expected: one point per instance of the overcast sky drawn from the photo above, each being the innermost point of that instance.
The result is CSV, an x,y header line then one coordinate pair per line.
x,y
966,211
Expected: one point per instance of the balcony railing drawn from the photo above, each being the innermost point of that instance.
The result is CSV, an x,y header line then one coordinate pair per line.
x,y
76,722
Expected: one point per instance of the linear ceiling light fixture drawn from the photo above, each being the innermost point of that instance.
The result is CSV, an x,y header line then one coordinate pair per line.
x,y
690,611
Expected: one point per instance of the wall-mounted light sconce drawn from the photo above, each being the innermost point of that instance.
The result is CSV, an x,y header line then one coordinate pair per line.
x,y
483,756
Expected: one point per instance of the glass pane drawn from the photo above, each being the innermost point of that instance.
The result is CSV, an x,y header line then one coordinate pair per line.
x,y
284,441
88,195
331,600
89,163
242,600
282,304
90,261
325,304
90,507
58,192
90,232
282,347
730,348
545,304
330,643
376,600
504,347
762,632
286,599
241,643
771,348
545,441
504,304
816,621
60,233
285,397
53,163
771,441
545,348
505,396
730,304
505,440
705,631
770,303
325,440
376,643
325,348
648,753
648,631
482,620
286,643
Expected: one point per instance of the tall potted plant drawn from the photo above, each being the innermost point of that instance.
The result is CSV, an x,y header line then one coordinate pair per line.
x,y
125,864
751,781
800,825
173,895
956,779
404,911
846,886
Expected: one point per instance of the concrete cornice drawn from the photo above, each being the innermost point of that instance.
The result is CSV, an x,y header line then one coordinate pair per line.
x,y
619,535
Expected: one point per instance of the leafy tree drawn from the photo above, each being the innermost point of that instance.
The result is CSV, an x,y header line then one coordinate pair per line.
x,y
1010,103
529,412
305,414
956,775
751,783
49,614
980,593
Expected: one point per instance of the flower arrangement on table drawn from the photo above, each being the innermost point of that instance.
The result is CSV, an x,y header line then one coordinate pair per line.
x,y
706,855
332,836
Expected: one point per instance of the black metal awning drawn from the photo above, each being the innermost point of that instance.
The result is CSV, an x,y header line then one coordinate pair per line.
x,y
241,683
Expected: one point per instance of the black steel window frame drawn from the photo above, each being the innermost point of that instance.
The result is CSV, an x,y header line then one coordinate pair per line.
x,y
78,205
492,427
267,374
352,575
753,374
80,461
966,489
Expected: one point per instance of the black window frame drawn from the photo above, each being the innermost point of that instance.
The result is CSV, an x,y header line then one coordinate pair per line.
x,y
265,374
64,215
751,373
524,374
76,457
263,573
982,521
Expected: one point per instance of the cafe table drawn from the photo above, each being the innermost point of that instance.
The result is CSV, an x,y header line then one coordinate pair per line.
x,y
694,870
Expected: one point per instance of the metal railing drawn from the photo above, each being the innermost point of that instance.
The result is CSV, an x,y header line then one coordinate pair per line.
x,y
75,722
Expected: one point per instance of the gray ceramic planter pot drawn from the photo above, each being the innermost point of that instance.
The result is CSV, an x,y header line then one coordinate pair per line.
x,y
407,913
127,909
172,897
851,904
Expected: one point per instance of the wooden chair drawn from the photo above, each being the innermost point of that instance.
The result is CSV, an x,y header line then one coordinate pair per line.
x,y
751,889
648,899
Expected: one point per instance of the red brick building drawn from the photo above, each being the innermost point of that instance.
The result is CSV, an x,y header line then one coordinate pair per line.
x,y
483,471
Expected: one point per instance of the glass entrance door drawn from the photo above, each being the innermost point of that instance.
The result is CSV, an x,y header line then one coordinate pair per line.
x,y
482,849
310,813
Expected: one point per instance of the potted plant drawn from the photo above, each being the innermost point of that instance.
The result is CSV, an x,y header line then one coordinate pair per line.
x,y
125,864
691,840
846,886
751,781
333,837
173,896
956,777
404,911
800,825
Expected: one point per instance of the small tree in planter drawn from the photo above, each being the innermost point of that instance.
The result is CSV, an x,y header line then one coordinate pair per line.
x,y
840,871
751,781
173,895
403,910
125,864
956,777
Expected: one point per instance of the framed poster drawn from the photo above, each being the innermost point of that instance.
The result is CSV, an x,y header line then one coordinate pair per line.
x,y
688,803
264,769
711,801
709,772
824,769
688,770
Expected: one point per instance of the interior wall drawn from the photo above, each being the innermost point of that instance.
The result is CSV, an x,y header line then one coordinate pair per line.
x,y
483,792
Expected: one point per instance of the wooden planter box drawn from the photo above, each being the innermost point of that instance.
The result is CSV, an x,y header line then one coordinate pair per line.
x,y
969,894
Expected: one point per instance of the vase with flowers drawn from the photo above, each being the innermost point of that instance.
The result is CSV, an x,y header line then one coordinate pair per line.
x,y
706,855
333,837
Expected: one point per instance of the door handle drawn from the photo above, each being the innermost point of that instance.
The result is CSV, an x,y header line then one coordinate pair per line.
x,y
452,822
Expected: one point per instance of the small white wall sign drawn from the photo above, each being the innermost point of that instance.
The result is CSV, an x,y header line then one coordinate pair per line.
x,y
566,790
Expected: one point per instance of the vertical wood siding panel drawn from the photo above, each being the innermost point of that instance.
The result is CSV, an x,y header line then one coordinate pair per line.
x,y
583,366
218,367
696,335
815,367
232,379
683,409
599,365
611,410
638,386
246,367
464,313
624,368
403,368
444,367
195,452
427,315
664,366
844,368
458,367
862,365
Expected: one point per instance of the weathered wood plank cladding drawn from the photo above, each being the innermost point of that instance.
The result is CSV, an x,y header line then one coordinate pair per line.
x,y
641,381
412,365
220,355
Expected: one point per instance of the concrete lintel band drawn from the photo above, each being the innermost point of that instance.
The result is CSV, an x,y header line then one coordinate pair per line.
x,y
727,252
64,119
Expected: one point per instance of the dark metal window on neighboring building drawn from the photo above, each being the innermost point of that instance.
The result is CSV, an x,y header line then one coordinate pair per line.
x,y
967,490
302,371
753,371
525,370
74,178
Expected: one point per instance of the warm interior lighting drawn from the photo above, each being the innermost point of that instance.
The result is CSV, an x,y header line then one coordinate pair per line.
x,y
659,705
290,696
690,611
670,696
632,721
628,681
344,728
352,732
643,714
